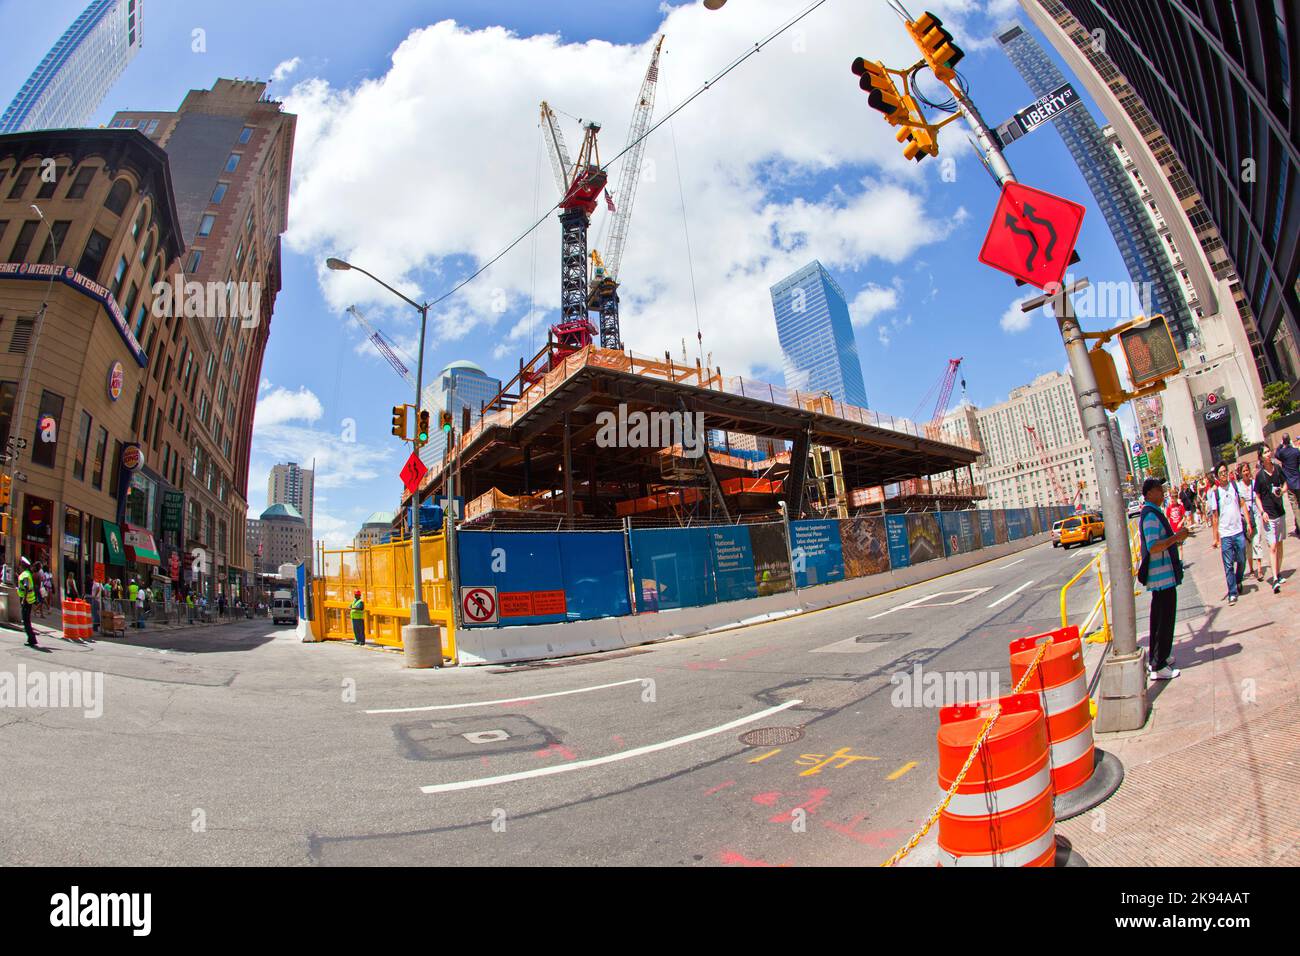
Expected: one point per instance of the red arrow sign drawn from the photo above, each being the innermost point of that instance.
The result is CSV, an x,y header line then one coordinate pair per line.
x,y
1032,235
412,472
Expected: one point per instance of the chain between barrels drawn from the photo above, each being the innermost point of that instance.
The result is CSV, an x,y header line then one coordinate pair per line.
x,y
917,837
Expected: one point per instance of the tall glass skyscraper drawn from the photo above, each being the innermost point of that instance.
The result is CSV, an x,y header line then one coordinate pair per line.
x,y
71,81
1139,245
818,348
461,385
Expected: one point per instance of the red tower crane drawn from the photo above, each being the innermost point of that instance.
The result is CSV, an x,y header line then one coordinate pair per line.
x,y
1061,498
944,386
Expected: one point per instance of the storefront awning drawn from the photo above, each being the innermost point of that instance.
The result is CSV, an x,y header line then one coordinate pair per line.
x,y
113,541
141,546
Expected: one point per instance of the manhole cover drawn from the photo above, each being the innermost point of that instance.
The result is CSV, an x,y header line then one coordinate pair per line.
x,y
771,736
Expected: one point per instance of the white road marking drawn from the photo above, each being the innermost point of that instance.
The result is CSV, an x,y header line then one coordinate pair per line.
x,y
608,758
850,645
969,593
503,700
1011,565
1011,594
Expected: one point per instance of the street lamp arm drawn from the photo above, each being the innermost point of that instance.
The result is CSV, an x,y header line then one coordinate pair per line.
x,y
410,301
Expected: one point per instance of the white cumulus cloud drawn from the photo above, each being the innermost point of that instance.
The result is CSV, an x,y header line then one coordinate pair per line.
x,y
279,405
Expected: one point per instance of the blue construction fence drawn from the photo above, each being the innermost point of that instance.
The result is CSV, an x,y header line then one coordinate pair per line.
x,y
545,577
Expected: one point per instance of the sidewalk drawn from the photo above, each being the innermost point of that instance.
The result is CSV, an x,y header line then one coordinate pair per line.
x,y
51,626
1212,779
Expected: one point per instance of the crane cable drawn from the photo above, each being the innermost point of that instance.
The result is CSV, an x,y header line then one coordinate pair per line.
x,y
703,88
690,258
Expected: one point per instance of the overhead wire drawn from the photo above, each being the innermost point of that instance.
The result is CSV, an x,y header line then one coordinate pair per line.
x,y
703,88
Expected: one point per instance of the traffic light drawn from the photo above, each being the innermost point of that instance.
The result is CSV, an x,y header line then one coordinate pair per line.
x,y
918,142
1149,350
882,95
422,433
1103,369
6,484
940,53
399,421
444,422
4,525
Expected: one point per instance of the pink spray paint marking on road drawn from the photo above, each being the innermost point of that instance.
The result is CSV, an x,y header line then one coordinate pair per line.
x,y
815,800
722,786
732,858
767,799
560,749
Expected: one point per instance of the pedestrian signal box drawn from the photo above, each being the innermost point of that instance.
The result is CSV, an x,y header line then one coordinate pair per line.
x,y
1150,352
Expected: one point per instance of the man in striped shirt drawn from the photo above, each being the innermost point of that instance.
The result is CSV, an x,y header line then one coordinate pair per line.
x,y
1163,575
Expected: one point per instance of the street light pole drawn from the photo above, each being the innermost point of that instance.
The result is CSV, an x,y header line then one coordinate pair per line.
x,y
420,641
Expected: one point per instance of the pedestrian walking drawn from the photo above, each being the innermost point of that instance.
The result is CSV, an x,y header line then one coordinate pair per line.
x,y
96,602
1269,487
358,618
1254,551
27,597
1288,459
1175,512
1229,520
1161,570
70,588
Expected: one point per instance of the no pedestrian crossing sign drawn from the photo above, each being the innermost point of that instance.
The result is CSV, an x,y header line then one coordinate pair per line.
x,y
479,605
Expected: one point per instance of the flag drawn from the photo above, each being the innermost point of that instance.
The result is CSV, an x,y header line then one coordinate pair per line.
x,y
609,200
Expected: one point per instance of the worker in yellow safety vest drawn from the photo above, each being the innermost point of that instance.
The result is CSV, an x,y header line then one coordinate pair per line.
x,y
27,596
358,618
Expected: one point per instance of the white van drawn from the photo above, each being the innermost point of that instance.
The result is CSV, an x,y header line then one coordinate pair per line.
x,y
283,608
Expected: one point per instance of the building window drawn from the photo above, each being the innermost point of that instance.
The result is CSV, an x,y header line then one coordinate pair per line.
x,y
117,197
245,135
146,251
82,448
54,241
97,469
233,162
153,128
20,184
219,193
23,244
206,224
118,275
195,258
45,443
92,257
128,306
47,185
8,391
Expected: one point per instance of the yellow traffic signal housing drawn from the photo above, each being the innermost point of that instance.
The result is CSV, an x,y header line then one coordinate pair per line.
x,y
444,422
6,490
4,524
935,43
882,94
399,421
918,142
422,432
1103,367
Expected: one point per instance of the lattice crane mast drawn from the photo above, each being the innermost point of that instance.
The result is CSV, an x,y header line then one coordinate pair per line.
x,y
580,184
944,387
1061,498
604,273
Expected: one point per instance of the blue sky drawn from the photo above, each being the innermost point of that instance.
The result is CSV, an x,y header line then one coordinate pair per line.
x,y
421,164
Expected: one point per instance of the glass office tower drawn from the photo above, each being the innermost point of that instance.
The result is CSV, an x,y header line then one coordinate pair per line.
x,y
818,348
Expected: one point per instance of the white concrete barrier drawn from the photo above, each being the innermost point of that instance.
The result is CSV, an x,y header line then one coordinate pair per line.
x,y
497,645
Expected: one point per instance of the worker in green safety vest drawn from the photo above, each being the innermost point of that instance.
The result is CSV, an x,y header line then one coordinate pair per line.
x,y
27,597
358,618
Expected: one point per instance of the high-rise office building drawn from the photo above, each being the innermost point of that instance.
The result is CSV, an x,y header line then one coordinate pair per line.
x,y
818,348
71,81
1219,393
461,386
1012,465
1148,267
289,484
1215,81
229,151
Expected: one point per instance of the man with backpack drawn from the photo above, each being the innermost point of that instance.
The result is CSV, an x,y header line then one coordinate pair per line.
x,y
1230,518
1161,570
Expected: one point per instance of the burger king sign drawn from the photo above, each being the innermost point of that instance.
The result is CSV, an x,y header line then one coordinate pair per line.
x,y
116,378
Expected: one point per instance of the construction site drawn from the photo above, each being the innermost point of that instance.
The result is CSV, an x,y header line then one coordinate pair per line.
x,y
538,454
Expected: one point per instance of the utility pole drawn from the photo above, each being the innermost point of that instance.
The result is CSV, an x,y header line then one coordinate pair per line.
x,y
1123,703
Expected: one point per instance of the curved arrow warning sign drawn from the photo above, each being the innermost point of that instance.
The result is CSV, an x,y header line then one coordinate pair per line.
x,y
479,605
1032,235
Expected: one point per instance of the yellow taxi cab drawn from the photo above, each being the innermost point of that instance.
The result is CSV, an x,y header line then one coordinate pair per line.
x,y
1082,529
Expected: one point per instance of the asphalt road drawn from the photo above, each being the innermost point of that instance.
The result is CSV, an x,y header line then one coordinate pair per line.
x,y
240,745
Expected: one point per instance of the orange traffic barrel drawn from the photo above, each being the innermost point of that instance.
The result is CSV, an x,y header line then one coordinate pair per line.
x,y
1062,683
1002,814
76,620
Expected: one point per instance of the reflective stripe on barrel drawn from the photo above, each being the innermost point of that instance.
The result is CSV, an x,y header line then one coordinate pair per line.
x,y
1001,814
1062,684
